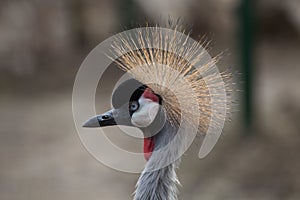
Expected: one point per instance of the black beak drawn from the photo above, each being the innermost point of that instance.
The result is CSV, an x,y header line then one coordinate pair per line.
x,y
106,119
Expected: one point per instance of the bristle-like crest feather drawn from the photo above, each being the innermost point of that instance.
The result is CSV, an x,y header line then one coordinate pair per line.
x,y
172,75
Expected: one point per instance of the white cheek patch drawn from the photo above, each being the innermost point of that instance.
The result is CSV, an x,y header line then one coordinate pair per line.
x,y
146,113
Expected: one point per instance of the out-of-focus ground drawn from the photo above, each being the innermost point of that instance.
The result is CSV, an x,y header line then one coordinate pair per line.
x,y
42,156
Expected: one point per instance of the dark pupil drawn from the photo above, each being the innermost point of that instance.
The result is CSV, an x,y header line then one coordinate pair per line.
x,y
133,106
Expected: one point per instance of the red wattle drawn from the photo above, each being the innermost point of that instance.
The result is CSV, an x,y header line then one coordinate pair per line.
x,y
148,147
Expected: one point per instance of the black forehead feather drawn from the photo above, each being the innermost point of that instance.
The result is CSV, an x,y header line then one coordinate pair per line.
x,y
129,90
138,93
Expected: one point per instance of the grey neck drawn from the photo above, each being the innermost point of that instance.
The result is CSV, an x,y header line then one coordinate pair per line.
x,y
159,181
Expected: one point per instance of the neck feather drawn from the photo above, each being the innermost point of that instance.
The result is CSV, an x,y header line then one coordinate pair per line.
x,y
156,183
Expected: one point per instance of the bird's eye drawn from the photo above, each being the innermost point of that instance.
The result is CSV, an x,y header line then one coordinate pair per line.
x,y
134,105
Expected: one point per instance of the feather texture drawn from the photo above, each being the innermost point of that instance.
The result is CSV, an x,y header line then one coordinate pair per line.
x,y
193,91
168,67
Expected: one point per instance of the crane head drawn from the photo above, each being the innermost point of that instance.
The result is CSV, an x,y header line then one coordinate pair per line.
x,y
134,104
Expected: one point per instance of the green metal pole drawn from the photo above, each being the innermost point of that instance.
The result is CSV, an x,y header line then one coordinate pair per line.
x,y
128,13
247,41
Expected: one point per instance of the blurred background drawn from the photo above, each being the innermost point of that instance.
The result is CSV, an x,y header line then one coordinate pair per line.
x,y
42,44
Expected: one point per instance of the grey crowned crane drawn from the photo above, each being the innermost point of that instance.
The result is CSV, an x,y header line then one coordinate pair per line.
x,y
165,91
